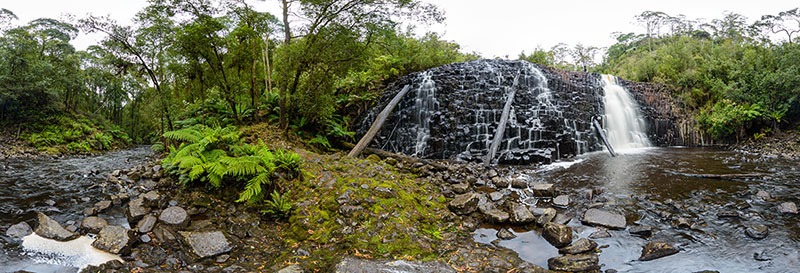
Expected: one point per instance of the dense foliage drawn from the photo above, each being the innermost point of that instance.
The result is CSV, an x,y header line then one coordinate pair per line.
x,y
218,158
731,74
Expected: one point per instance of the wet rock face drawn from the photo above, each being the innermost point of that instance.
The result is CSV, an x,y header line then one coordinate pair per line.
x,y
574,263
207,244
114,239
49,228
351,264
19,230
453,111
604,218
655,250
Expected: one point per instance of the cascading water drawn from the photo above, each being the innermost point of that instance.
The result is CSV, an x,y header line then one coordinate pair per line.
x,y
425,104
622,119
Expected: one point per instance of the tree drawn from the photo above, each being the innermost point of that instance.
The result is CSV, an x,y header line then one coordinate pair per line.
x,y
584,56
786,22
144,47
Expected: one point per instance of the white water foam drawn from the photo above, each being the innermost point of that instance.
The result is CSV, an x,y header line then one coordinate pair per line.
x,y
625,127
560,165
77,253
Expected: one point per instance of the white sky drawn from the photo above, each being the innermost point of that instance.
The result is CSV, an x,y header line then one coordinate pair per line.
x,y
492,28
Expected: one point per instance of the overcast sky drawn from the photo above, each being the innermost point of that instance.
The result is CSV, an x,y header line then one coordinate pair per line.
x,y
493,28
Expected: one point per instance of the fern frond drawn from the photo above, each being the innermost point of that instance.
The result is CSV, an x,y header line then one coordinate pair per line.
x,y
243,165
252,189
188,135
215,180
188,162
196,172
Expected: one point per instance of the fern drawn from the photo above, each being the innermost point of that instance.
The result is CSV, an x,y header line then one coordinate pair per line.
x,y
279,206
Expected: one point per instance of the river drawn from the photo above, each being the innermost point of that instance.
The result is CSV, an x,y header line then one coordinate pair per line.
x,y
61,188
645,186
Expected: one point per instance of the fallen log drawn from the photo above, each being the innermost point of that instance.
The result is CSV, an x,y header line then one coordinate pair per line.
x,y
720,176
378,123
603,138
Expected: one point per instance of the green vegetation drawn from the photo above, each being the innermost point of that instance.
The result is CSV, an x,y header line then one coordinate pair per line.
x,y
217,157
73,134
731,75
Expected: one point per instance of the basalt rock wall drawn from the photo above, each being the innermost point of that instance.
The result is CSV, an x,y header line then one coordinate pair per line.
x,y
453,111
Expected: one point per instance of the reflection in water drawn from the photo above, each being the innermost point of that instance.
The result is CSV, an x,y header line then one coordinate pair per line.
x,y
641,185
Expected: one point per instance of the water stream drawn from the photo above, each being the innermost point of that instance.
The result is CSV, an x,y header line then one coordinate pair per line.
x,y
61,188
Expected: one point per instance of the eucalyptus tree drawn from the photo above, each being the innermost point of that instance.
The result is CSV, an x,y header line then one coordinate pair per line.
x,y
142,50
786,22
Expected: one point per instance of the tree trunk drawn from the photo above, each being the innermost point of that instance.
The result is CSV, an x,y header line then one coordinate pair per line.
x,y
377,124
287,32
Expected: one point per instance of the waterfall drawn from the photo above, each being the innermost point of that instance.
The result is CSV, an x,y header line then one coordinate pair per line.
x,y
622,120
425,104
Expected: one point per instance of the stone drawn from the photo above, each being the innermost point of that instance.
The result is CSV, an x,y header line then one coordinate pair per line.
x,y
492,173
561,201
50,202
547,216
574,263
93,224
496,196
19,230
146,224
102,205
164,234
505,234
655,250
497,216
136,210
598,217
90,211
464,204
113,239
787,208
291,269
223,258
641,231
501,182
757,231
683,223
174,216
543,190
350,210
763,196
520,214
49,228
461,188
145,238
582,245
384,192
151,199
350,264
728,214
520,182
600,234
207,244
71,228
557,235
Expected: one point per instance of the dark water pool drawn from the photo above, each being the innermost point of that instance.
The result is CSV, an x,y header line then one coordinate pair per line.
x,y
645,186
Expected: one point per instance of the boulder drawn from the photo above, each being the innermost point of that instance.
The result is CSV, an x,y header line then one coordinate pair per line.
x,y
505,234
501,182
641,231
464,204
146,224
600,234
93,224
350,264
557,235
497,216
136,210
520,182
114,239
787,208
520,214
19,230
350,210
496,196
461,188
151,199
206,244
582,245
291,269
561,201
598,217
757,231
543,190
547,216
384,192
574,263
102,205
763,196
175,217
49,228
683,223
655,250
